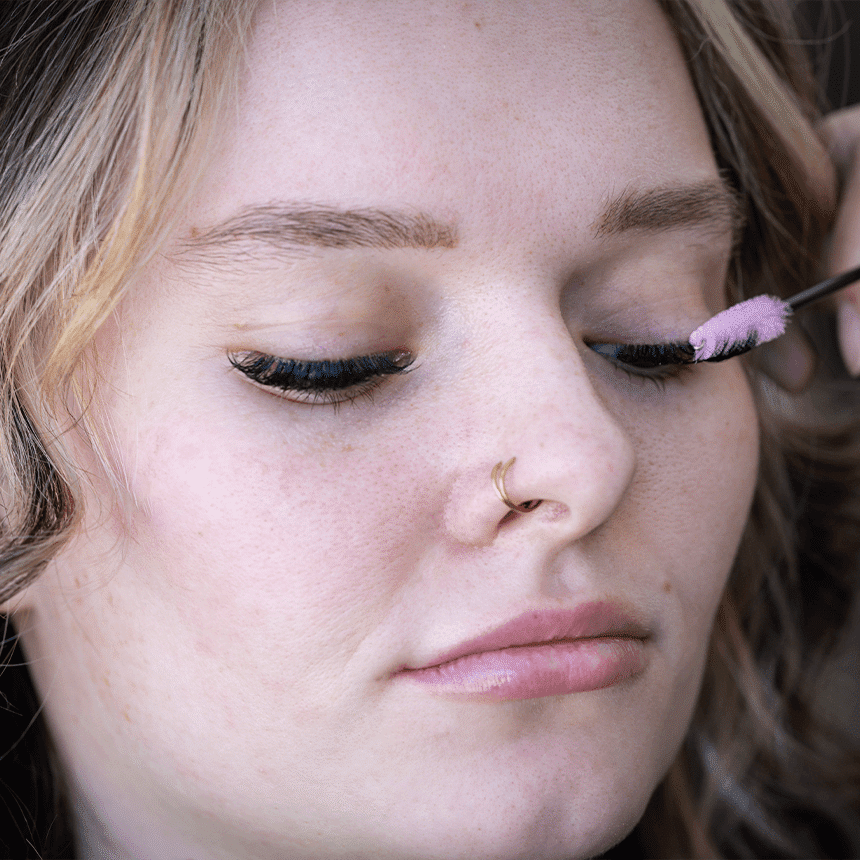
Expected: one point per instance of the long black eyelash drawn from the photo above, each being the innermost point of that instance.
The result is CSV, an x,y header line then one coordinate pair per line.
x,y
729,349
287,374
659,361
647,354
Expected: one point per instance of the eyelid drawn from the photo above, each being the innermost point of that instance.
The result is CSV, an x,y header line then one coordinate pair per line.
x,y
657,362
325,381
646,355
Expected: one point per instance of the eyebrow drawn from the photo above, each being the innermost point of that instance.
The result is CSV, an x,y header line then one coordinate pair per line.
x,y
711,204
293,228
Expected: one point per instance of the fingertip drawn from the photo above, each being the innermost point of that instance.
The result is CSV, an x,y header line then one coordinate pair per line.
x,y
848,330
789,361
840,130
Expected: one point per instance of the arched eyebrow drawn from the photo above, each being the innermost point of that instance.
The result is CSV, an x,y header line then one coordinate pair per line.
x,y
712,204
292,228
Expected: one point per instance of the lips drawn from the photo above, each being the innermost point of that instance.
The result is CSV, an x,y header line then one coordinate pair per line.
x,y
541,653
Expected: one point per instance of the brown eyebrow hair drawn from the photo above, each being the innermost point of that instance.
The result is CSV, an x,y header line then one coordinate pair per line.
x,y
290,228
710,204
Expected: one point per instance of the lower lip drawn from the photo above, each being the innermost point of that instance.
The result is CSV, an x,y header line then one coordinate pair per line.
x,y
533,671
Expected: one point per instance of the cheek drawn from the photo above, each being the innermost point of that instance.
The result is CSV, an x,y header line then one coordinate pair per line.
x,y
299,540
696,476
251,575
244,584
717,482
681,522
677,531
712,465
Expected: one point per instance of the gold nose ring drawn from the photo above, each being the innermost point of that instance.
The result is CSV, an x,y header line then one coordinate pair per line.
x,y
499,472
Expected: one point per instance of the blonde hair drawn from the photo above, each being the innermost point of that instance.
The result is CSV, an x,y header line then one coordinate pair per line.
x,y
106,117
106,114
109,112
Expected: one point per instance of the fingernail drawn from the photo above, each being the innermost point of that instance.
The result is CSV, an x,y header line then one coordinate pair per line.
x,y
848,327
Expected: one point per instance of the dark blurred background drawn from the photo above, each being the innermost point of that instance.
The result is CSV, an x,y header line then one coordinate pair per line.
x,y
832,30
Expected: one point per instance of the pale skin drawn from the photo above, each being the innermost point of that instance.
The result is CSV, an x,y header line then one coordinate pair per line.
x,y
217,646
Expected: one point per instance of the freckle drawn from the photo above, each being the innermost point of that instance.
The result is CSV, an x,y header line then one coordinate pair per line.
x,y
194,232
125,714
77,582
477,25
667,587
106,681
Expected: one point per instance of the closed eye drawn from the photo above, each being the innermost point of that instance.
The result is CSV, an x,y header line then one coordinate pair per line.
x,y
656,361
321,382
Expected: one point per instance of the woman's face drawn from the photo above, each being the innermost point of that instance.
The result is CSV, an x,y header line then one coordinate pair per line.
x,y
226,646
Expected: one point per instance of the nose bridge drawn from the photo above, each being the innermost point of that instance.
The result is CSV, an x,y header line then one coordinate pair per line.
x,y
564,424
537,403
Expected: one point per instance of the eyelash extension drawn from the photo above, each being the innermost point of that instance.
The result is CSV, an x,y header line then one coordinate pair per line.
x,y
656,362
327,381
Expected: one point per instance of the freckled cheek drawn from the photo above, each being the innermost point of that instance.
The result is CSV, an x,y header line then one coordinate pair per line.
x,y
252,525
716,464
695,478
730,457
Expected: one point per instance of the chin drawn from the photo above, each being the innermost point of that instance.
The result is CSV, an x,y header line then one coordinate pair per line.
x,y
516,828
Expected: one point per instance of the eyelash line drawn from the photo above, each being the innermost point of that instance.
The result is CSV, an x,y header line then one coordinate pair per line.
x,y
326,381
656,362
322,381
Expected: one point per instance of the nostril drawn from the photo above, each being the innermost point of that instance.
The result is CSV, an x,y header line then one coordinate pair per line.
x,y
550,512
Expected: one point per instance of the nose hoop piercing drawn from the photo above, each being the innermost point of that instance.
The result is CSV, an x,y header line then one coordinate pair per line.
x,y
499,472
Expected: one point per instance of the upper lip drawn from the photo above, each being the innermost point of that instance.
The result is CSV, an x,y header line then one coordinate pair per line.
x,y
586,621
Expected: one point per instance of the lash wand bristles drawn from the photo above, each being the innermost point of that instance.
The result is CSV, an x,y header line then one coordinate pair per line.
x,y
750,323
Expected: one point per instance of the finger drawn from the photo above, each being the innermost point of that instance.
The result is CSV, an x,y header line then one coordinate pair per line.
x,y
844,253
842,133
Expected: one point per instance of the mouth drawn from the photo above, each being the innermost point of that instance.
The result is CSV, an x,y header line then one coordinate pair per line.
x,y
540,653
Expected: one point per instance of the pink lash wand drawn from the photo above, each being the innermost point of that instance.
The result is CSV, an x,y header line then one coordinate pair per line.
x,y
755,321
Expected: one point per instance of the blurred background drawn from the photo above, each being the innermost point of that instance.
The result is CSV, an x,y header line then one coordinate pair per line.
x,y
831,29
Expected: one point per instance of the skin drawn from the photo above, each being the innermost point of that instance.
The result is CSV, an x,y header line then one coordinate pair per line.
x,y
217,645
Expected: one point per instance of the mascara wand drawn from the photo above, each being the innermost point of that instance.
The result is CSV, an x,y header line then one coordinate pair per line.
x,y
750,323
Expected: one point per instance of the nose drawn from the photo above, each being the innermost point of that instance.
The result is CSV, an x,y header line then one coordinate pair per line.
x,y
537,405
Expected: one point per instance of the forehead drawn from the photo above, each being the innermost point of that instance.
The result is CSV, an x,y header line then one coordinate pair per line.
x,y
520,110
